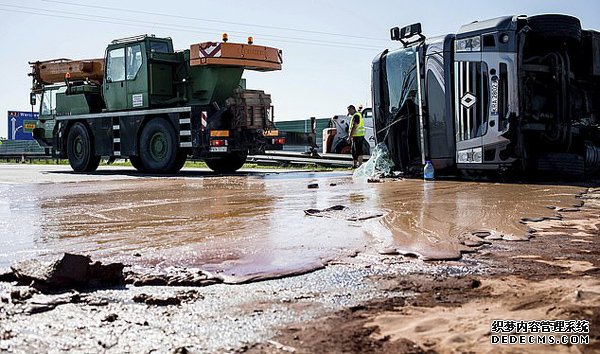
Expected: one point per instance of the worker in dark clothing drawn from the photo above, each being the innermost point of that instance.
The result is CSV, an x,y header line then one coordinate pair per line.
x,y
356,136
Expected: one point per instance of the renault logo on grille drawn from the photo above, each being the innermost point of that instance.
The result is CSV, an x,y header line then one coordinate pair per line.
x,y
468,100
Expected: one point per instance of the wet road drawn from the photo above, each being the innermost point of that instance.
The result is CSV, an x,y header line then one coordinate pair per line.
x,y
253,225
442,219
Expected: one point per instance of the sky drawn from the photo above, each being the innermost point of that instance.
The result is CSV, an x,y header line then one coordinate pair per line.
x,y
328,46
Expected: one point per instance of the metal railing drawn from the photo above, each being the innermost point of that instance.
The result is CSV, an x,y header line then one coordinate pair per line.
x,y
21,150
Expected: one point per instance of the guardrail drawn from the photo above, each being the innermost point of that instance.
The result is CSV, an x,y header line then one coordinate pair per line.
x,y
22,151
19,147
26,151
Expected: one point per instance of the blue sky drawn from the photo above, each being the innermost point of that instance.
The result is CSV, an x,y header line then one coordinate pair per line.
x,y
328,46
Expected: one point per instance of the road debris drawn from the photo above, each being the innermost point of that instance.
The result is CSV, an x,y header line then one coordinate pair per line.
x,y
342,212
69,271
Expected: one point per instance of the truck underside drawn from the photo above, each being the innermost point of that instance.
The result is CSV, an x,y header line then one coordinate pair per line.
x,y
557,129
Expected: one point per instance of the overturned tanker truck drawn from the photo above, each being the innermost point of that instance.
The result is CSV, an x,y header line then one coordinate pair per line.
x,y
518,95
156,106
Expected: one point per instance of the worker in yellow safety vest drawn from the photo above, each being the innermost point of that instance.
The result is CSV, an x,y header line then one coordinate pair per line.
x,y
356,136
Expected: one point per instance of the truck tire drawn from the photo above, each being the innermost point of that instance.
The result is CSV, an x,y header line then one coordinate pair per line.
x,y
565,165
228,163
158,146
80,149
556,26
136,162
180,161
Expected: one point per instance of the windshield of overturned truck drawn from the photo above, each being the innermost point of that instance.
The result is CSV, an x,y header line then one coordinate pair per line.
x,y
395,122
510,96
400,78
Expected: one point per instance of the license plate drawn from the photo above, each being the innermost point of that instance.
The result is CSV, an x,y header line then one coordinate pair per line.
x,y
218,149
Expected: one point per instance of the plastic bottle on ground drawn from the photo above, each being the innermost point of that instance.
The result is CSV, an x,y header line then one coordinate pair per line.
x,y
428,171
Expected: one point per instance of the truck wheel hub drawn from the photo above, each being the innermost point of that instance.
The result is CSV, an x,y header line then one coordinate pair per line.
x,y
78,147
158,146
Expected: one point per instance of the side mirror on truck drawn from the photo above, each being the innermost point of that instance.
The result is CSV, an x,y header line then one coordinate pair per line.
x,y
410,30
32,99
406,34
395,33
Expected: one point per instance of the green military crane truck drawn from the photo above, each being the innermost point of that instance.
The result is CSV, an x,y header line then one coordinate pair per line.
x,y
156,106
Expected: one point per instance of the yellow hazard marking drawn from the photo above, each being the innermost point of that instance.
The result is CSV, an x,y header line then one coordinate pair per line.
x,y
221,133
271,133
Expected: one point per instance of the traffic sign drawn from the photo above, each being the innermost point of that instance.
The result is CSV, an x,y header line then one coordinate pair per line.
x,y
21,125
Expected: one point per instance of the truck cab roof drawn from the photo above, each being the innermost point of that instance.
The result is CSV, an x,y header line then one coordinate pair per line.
x,y
156,44
504,23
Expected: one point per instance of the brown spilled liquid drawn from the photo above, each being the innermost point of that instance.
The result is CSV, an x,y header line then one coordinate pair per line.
x,y
255,227
240,226
442,219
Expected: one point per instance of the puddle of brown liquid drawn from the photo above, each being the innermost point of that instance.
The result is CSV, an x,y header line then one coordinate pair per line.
x,y
441,219
241,227
250,227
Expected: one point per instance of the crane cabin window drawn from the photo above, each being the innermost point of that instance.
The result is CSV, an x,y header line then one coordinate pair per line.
x,y
159,47
48,103
115,66
134,61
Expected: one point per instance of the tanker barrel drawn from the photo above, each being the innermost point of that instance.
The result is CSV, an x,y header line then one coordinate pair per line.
x,y
53,71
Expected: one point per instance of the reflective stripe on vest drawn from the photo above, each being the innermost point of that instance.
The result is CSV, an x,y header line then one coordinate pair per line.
x,y
360,129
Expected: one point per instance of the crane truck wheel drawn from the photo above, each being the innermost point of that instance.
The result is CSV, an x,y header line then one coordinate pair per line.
x,y
158,146
228,163
180,161
80,149
136,162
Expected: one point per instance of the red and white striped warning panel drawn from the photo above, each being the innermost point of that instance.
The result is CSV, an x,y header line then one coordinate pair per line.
x,y
203,119
209,50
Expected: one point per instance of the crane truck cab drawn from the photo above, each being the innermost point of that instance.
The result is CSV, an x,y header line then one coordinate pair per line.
x,y
156,106
515,93
132,82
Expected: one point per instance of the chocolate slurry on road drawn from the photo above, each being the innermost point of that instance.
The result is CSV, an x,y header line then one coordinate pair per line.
x,y
253,226
443,219
242,227
187,238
